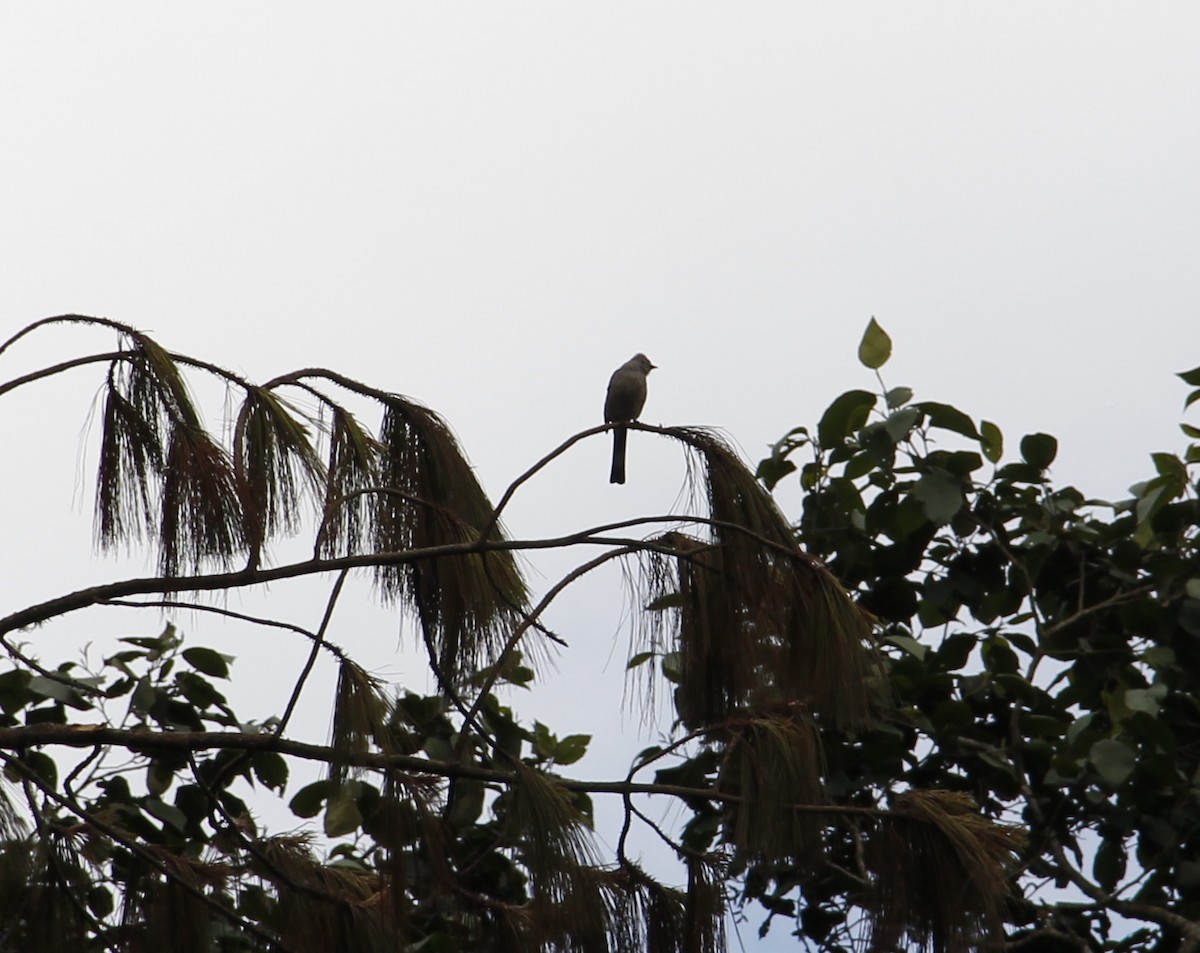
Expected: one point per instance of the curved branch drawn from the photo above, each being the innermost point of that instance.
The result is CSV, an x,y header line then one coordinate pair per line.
x,y
221,610
32,376
524,627
558,451
317,645
238,579
66,319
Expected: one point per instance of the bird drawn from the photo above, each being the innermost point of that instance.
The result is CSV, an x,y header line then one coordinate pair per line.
x,y
625,400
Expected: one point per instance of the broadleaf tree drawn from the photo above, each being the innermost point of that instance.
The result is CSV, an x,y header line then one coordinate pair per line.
x,y
862,774
1043,649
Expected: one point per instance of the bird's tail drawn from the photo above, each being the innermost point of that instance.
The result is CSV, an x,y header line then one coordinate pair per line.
x,y
618,461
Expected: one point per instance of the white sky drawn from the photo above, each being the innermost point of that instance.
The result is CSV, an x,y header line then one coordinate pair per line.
x,y
489,207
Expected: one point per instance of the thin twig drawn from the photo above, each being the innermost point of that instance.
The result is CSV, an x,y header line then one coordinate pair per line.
x,y
318,643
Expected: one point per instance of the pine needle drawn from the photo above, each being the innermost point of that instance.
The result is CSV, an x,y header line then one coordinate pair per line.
x,y
352,469
774,763
940,875
275,464
360,714
201,508
555,845
130,466
756,622
466,605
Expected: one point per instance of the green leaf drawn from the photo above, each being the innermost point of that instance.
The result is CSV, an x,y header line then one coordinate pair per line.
x,y
1169,465
583,804
639,659
1191,399
144,695
1113,760
901,423
909,645
932,615
438,749
860,465
467,804
1152,497
14,691
1148,700
672,667
194,803
342,815
208,662
998,656
52,688
954,652
49,715
845,416
200,692
40,764
773,469
1191,377
1109,865
571,748
692,773
169,814
1189,617
159,776
1159,656
946,417
544,741
1039,450
875,347
1019,473
510,737
158,644
941,496
308,800
99,901
898,397
962,463
991,441
271,769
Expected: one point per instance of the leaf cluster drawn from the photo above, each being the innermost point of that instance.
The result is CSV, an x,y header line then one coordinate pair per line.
x,y
1042,650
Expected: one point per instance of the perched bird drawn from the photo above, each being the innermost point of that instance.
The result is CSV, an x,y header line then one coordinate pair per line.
x,y
625,400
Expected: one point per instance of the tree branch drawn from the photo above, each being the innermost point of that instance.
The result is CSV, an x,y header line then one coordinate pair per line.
x,y
141,740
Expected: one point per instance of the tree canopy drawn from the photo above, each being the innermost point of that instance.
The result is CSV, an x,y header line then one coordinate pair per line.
x,y
1045,656
951,706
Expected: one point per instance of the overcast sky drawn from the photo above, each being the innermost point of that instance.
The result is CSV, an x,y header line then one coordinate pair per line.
x,y
488,207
